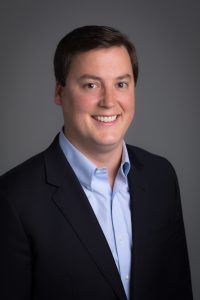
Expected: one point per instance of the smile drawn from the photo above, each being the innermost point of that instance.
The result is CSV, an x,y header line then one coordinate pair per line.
x,y
106,119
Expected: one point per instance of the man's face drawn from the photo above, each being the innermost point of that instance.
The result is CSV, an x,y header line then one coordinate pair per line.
x,y
98,99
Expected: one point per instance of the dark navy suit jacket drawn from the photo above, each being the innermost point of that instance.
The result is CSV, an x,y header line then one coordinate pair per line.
x,y
52,246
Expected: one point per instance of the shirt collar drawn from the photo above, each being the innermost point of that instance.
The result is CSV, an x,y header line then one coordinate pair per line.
x,y
83,167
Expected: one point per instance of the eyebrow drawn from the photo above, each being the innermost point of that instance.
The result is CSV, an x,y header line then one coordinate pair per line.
x,y
125,76
88,76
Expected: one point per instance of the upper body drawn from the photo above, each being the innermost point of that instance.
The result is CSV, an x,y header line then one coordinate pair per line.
x,y
54,248
55,245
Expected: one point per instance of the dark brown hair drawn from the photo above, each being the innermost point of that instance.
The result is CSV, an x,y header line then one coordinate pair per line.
x,y
87,38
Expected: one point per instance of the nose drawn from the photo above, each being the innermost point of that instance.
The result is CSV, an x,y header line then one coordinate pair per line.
x,y
107,98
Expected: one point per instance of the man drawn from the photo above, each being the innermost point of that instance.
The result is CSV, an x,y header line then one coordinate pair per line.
x,y
90,217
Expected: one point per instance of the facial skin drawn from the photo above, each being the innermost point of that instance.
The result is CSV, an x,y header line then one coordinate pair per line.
x,y
98,100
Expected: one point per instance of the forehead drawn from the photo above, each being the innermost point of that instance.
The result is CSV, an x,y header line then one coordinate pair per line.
x,y
113,59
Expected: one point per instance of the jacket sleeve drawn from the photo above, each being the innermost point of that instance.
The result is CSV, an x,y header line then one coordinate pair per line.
x,y
15,255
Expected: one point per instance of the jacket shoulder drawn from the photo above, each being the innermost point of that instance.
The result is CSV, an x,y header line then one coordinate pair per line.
x,y
150,163
32,167
23,173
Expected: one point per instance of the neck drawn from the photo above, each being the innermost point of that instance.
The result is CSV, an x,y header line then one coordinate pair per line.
x,y
110,160
101,156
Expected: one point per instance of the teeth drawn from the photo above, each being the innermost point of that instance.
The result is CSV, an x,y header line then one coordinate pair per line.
x,y
106,119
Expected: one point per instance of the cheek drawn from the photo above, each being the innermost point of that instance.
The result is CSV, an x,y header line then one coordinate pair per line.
x,y
81,103
129,108
129,104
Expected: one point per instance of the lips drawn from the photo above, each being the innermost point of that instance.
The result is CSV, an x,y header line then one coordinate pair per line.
x,y
106,119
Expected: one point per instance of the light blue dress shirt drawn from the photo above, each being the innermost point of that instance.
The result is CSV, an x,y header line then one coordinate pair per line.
x,y
111,206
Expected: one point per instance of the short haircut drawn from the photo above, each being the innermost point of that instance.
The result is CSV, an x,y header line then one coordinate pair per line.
x,y
86,38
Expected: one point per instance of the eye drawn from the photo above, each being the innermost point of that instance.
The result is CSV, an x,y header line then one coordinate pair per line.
x,y
90,85
122,84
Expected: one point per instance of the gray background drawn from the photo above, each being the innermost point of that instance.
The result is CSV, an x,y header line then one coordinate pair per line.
x,y
167,37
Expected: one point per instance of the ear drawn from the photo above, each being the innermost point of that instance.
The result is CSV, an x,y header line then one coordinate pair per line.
x,y
58,93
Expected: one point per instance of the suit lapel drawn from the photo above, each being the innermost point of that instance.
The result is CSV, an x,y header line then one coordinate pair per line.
x,y
72,201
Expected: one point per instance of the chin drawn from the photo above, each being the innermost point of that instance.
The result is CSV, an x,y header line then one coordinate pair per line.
x,y
109,142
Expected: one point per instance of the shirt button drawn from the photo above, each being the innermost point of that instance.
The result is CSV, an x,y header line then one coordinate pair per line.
x,y
127,277
121,238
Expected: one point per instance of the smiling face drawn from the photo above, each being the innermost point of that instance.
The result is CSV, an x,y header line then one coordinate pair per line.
x,y
98,99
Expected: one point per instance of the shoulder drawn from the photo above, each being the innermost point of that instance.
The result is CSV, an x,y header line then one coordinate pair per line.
x,y
150,163
33,175
145,157
23,175
33,169
27,184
